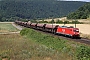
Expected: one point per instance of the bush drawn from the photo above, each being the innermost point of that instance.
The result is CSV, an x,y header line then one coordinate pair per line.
x,y
77,22
24,31
83,53
59,22
45,39
66,22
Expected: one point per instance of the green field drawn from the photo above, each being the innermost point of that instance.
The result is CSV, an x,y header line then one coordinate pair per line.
x,y
7,27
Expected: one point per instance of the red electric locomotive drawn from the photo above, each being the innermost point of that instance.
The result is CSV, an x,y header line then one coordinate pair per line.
x,y
70,31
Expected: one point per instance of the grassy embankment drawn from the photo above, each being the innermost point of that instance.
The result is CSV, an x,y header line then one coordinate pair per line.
x,y
7,27
68,50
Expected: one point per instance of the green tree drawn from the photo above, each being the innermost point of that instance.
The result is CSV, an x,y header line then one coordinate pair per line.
x,y
59,22
66,22
36,9
82,13
0,17
52,21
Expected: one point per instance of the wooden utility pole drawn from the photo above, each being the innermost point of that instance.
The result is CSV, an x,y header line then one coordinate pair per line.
x,y
75,21
52,25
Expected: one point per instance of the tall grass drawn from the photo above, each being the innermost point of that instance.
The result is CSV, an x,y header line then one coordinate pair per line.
x,y
16,47
68,50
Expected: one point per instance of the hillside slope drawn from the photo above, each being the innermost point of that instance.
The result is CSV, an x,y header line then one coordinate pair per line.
x,y
33,9
82,13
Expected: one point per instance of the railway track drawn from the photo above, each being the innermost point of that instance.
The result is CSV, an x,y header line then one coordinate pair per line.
x,y
81,40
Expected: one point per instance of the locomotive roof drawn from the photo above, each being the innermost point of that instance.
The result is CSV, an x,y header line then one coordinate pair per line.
x,y
67,26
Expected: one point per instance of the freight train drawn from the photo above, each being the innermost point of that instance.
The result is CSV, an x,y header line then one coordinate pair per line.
x,y
55,29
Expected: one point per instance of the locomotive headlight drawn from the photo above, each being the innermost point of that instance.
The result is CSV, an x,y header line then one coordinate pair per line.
x,y
77,30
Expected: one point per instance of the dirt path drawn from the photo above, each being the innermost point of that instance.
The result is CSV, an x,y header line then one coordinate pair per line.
x,y
17,26
10,32
6,22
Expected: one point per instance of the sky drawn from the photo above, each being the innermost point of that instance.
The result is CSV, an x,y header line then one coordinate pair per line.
x,y
78,0
72,0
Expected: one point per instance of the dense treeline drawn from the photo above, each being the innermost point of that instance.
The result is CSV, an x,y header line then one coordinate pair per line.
x,y
36,9
58,22
82,13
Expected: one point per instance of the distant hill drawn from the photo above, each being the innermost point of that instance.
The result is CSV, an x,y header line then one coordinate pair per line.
x,y
82,13
35,9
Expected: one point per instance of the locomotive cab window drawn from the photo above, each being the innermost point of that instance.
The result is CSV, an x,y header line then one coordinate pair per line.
x,y
76,30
